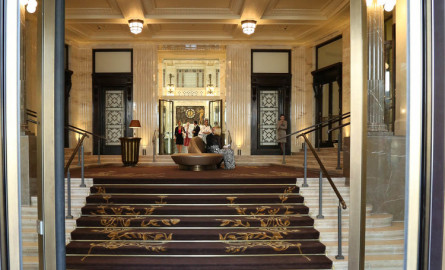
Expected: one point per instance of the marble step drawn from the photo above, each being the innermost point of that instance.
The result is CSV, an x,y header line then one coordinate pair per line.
x,y
372,221
372,247
30,262
30,248
373,262
394,232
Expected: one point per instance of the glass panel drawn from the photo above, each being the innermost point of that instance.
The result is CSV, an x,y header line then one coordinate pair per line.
x,y
325,115
386,155
215,113
335,109
268,113
30,190
166,130
330,53
114,116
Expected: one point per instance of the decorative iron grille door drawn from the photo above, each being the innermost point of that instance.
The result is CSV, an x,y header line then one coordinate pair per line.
x,y
114,116
268,116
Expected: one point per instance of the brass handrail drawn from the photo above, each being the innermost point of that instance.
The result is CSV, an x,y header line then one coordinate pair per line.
x,y
84,131
325,172
320,125
339,127
79,143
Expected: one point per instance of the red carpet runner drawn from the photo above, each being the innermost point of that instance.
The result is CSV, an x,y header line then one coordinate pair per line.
x,y
195,224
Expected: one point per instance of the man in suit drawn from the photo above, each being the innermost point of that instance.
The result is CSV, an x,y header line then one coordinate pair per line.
x,y
196,128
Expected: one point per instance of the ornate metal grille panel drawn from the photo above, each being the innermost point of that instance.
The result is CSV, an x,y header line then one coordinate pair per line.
x,y
268,110
114,116
190,78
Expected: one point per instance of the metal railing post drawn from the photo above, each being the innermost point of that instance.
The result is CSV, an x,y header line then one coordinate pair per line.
x,y
68,176
320,196
338,150
79,163
82,166
98,152
305,165
339,255
284,153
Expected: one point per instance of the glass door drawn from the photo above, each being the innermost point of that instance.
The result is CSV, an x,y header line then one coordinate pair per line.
x,y
166,127
215,113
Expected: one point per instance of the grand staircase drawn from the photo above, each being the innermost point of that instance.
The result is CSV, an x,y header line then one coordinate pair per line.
x,y
246,223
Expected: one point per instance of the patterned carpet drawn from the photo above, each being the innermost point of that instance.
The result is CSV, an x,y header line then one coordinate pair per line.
x,y
252,219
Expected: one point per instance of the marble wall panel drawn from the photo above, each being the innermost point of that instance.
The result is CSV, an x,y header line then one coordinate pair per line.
x,y
145,94
385,187
299,105
346,85
401,68
81,98
238,96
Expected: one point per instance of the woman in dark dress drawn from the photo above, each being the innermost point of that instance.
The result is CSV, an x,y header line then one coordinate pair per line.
x,y
179,136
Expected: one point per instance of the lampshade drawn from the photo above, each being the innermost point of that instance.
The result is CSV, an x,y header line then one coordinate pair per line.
x,y
248,26
135,124
136,26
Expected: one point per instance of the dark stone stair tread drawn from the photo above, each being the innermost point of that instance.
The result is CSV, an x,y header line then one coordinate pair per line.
x,y
165,209
204,189
199,263
189,234
186,199
269,180
197,248
98,221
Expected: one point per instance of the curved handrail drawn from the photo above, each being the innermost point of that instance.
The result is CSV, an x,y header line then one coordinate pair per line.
x,y
339,127
79,143
319,125
325,172
84,131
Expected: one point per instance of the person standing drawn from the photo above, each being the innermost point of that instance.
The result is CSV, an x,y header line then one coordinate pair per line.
x,y
196,128
188,134
205,130
281,132
179,136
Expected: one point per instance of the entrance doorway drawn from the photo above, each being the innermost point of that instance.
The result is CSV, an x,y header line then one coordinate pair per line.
x,y
328,102
186,111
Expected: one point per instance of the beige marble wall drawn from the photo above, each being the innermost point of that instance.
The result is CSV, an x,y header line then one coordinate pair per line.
x,y
309,90
346,86
145,94
238,96
299,105
401,65
81,100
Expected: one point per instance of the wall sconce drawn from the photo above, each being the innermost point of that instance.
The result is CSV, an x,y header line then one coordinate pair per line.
x,y
388,5
31,5
134,124
170,87
136,26
210,88
248,27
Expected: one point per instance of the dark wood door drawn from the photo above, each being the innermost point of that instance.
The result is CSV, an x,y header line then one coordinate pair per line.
x,y
112,103
270,99
327,85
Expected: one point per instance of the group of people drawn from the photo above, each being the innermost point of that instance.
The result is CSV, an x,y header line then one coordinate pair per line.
x,y
213,141
183,135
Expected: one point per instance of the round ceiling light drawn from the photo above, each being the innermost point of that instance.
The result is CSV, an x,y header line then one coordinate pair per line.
x,y
248,26
136,26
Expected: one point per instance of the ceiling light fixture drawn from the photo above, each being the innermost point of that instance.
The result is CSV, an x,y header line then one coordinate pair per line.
x,y
31,5
136,26
248,26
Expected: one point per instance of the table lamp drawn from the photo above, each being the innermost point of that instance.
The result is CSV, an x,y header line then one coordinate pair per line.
x,y
135,124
